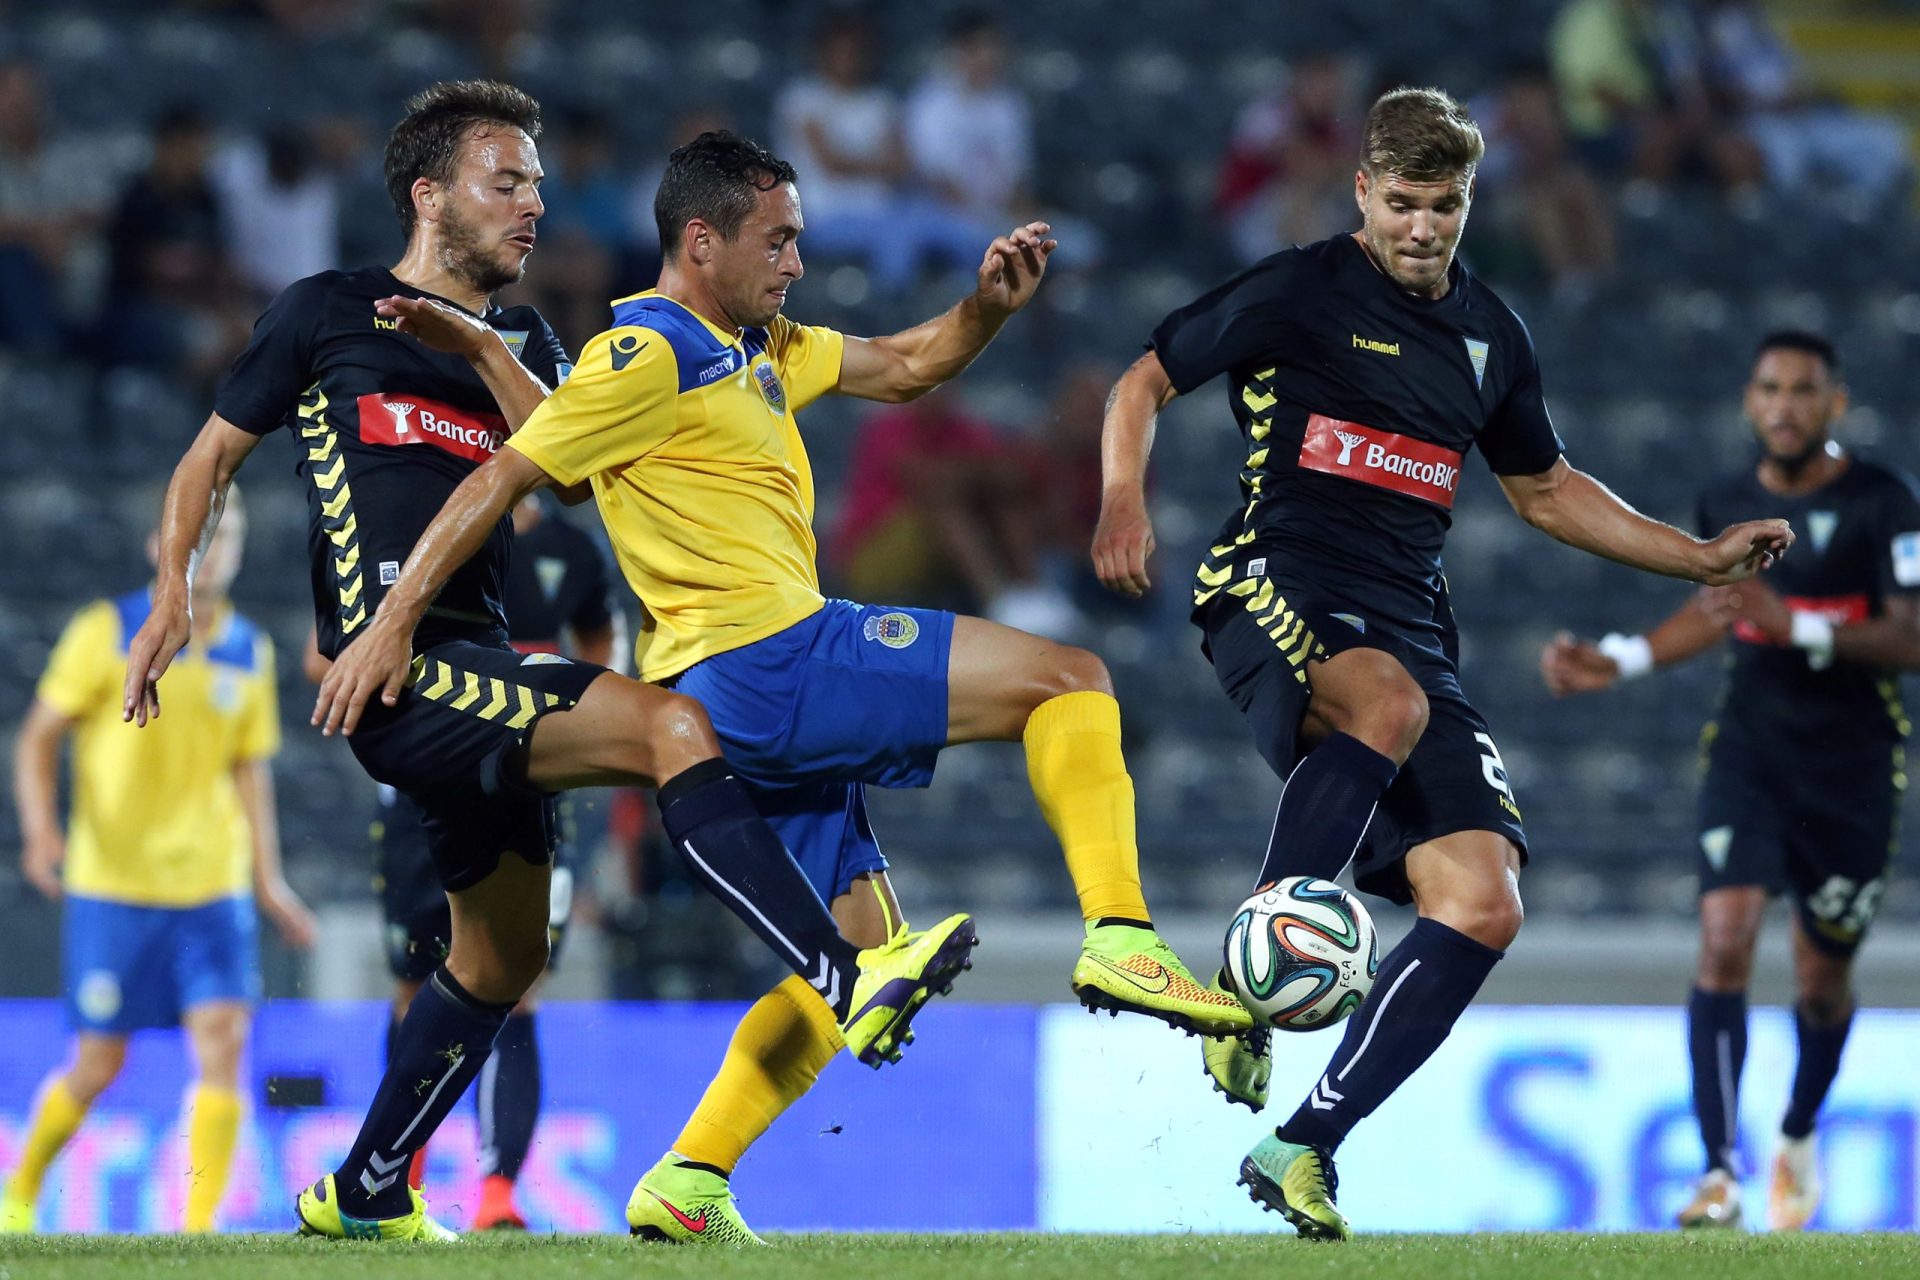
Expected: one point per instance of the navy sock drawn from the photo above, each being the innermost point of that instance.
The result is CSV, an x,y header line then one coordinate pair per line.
x,y
393,1036
508,1098
1324,809
727,844
441,1045
1813,1075
1423,987
1717,1042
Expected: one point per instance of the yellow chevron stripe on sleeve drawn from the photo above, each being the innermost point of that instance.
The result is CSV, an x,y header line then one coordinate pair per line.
x,y
416,669
348,561
1244,587
330,477
497,699
470,694
1257,402
348,624
523,717
351,592
442,680
1214,577
332,507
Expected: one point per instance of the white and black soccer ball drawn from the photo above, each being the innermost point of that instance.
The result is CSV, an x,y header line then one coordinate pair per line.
x,y
1302,954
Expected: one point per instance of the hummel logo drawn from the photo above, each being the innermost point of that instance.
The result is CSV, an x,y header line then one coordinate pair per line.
x,y
1323,1096
695,1225
827,983
374,1186
1348,443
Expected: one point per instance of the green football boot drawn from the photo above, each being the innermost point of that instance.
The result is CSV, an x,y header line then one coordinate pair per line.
x,y
318,1209
1239,1066
673,1204
1123,968
897,978
1298,1183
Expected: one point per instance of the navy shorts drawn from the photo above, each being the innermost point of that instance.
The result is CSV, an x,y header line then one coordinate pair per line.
x,y
850,696
413,906
129,967
1818,825
1260,641
453,745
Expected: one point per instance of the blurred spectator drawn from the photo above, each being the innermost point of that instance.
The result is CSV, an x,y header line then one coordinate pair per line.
x,y
1288,173
169,278
571,278
279,209
939,512
1544,196
587,190
842,132
54,192
685,126
1633,89
1809,145
969,130
1066,485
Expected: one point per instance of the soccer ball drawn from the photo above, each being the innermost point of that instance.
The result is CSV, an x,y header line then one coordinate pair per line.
x,y
1302,954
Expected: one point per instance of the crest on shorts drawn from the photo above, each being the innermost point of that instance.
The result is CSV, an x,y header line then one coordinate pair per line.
x,y
894,630
1353,620
1477,353
1716,844
770,387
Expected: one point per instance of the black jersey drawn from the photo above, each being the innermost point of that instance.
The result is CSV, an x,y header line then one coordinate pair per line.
x,y
1358,402
386,429
558,583
1859,544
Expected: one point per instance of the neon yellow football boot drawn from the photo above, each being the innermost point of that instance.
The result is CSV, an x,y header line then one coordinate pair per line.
x,y
673,1204
318,1209
1239,1066
897,978
1299,1184
1124,968
16,1216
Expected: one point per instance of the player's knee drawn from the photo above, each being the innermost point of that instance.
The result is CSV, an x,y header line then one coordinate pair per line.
x,y
1826,1005
1726,956
94,1068
1495,919
1393,720
1066,669
676,734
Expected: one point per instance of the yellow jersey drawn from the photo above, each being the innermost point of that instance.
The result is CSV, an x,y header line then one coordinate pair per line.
x,y
156,819
688,436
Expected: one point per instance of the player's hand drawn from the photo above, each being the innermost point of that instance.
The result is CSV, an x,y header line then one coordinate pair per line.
x,y
1122,544
1752,602
1011,271
1743,550
1574,666
280,904
165,633
41,857
375,664
437,325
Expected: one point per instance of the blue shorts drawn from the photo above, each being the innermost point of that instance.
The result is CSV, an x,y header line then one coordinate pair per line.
x,y
128,967
854,694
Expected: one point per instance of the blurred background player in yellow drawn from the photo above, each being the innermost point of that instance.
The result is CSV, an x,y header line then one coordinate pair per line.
x,y
171,840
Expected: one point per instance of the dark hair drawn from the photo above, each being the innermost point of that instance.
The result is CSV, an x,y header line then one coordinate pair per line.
x,y
1801,340
426,143
717,178
1423,135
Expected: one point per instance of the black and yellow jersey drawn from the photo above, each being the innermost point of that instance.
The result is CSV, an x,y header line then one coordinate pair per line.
x,y
384,430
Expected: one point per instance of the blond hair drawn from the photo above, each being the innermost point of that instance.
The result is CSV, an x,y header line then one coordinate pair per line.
x,y
1423,135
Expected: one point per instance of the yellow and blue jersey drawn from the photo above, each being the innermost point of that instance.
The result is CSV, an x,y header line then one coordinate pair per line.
x,y
688,435
156,818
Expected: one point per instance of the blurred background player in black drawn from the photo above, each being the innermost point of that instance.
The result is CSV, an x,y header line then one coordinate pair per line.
x,y
1362,369
557,603
1806,758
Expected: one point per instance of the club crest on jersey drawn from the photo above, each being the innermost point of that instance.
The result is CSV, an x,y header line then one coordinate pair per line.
x,y
552,571
775,394
516,340
1477,353
894,630
1820,527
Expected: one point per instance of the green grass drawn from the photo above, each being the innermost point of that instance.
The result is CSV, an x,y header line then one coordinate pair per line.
x,y
979,1257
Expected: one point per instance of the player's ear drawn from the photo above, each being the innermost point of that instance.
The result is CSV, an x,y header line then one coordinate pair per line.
x,y
426,200
1360,186
697,238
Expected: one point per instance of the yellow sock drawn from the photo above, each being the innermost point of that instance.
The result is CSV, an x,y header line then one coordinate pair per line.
x,y
212,1128
1080,779
56,1117
777,1053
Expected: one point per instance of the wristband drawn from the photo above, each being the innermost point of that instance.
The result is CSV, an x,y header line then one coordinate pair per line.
x,y
1814,633
1632,654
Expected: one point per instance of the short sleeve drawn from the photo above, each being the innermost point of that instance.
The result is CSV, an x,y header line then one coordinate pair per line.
x,y
268,377
1249,317
84,671
615,408
1519,439
260,727
807,358
1898,570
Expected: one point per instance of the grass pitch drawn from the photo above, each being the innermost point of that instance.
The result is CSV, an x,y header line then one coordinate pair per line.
x,y
977,1257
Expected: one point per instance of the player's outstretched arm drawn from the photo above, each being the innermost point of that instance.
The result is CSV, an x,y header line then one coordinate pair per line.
x,y
377,662
1572,666
1578,510
908,364
1890,641
36,795
195,497
1123,540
